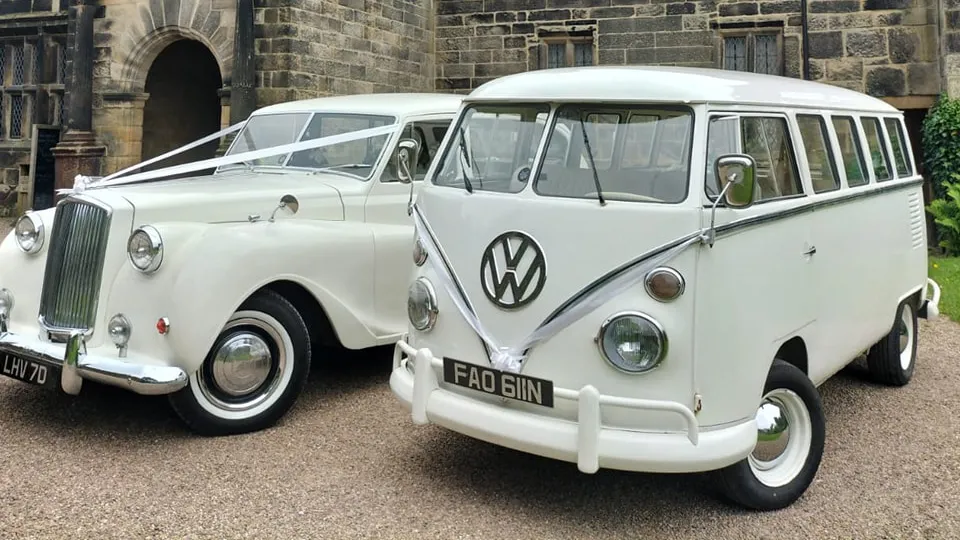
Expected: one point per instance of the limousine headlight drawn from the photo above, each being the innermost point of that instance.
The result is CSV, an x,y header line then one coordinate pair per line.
x,y
422,304
632,342
29,232
145,249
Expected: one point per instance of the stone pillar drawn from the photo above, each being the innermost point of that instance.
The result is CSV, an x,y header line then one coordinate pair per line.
x,y
225,121
78,151
243,94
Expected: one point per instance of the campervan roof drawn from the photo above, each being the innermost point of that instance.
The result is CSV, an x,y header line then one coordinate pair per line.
x,y
668,84
391,104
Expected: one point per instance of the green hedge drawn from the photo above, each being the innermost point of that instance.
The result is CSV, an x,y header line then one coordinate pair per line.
x,y
941,144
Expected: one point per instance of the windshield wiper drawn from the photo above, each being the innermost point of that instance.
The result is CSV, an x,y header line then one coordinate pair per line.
x,y
465,157
593,166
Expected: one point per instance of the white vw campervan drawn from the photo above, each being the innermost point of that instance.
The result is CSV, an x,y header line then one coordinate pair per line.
x,y
653,268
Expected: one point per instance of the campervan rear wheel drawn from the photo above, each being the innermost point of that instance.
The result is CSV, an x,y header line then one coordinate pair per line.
x,y
790,435
253,373
892,359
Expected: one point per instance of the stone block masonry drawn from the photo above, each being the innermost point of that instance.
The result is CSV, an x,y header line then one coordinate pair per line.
x,y
312,48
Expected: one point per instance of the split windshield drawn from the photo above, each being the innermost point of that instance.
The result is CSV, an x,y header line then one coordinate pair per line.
x,y
636,153
356,158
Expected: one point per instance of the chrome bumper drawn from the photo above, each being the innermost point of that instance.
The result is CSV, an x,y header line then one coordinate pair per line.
x,y
75,366
930,307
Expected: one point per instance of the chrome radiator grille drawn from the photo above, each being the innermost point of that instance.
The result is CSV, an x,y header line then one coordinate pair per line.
x,y
71,283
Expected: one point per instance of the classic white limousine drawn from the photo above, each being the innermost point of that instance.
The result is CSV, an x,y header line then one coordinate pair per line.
x,y
660,279
218,290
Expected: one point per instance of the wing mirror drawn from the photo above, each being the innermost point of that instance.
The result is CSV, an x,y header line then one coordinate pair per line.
x,y
735,176
408,150
287,202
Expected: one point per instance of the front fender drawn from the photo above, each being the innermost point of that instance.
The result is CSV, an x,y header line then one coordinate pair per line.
x,y
210,269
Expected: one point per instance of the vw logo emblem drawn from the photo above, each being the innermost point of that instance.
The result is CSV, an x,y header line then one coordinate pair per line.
x,y
513,270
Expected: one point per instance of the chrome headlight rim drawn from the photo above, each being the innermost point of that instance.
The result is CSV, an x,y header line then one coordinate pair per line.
x,y
156,245
658,329
432,308
37,223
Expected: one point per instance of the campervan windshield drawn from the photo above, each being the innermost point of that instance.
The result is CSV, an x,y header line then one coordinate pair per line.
x,y
636,153
356,159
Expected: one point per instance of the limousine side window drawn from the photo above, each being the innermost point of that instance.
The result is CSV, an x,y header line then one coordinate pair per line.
x,y
898,142
823,173
850,151
767,140
878,150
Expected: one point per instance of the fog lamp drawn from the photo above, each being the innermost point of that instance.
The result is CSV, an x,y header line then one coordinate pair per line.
x,y
119,330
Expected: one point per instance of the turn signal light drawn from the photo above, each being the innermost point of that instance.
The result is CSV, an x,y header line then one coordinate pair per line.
x,y
163,325
664,284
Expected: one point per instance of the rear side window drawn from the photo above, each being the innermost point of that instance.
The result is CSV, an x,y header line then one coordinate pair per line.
x,y
899,144
767,140
851,152
878,150
816,145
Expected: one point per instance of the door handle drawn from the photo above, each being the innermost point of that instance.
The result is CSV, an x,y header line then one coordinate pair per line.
x,y
811,251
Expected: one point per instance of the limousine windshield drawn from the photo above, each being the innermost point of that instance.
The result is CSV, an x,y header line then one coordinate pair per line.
x,y
636,153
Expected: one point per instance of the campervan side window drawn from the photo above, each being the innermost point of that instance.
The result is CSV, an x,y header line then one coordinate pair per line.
x,y
767,140
816,145
898,142
641,154
850,151
878,150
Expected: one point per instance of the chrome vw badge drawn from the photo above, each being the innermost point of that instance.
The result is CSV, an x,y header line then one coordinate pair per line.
x,y
513,270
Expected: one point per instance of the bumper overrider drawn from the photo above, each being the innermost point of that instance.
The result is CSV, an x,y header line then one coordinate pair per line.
x,y
65,366
585,442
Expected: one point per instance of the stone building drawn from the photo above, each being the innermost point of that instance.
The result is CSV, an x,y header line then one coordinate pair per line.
x,y
114,82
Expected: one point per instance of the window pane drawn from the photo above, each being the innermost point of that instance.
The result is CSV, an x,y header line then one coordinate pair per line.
x,y
61,63
766,57
428,134
722,139
768,142
17,64
583,54
878,151
894,129
735,53
816,145
266,131
555,54
16,117
356,158
629,178
499,140
850,151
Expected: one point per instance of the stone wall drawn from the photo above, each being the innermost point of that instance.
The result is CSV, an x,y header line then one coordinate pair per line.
x,y
312,48
884,47
950,46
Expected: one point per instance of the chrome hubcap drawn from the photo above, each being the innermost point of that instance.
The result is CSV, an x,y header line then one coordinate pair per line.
x,y
773,433
241,364
905,331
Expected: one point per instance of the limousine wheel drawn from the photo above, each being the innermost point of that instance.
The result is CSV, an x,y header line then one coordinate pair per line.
x,y
790,437
254,372
892,359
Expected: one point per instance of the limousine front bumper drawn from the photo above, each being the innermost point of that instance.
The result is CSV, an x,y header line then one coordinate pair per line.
x,y
586,442
69,364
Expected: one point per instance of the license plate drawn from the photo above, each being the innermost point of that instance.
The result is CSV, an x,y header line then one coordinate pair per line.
x,y
498,383
28,371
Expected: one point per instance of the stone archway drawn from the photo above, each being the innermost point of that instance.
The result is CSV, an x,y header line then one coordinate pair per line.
x,y
183,104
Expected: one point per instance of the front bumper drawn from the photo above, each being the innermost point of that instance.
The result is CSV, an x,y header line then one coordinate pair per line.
x,y
74,365
586,442
930,307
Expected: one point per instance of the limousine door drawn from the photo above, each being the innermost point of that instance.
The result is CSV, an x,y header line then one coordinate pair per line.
x,y
755,286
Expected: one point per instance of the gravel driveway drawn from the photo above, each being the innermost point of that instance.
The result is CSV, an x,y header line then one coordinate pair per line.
x,y
348,463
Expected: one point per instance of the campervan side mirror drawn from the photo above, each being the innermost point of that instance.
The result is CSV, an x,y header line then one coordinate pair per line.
x,y
408,150
735,177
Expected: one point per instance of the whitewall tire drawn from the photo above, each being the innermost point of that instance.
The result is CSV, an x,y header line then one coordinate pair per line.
x,y
892,360
253,373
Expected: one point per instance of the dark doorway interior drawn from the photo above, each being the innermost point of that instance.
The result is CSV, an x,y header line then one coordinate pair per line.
x,y
183,105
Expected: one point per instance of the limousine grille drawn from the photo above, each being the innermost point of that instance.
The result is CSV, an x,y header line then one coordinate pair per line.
x,y
71,283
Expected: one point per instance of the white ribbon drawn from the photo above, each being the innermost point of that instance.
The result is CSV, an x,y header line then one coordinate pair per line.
x,y
509,358
82,182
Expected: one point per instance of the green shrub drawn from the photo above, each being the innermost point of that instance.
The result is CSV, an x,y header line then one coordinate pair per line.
x,y
946,213
941,144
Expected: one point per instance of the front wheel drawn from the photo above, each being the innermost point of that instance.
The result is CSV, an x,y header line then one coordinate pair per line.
x,y
254,372
790,438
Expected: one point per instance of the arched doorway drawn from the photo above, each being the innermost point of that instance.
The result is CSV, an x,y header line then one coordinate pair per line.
x,y
183,105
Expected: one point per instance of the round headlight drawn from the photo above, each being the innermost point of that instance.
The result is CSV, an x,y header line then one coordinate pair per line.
x,y
422,304
632,342
419,254
145,249
119,330
29,233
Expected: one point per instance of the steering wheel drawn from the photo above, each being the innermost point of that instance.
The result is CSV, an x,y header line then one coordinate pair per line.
x,y
620,195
